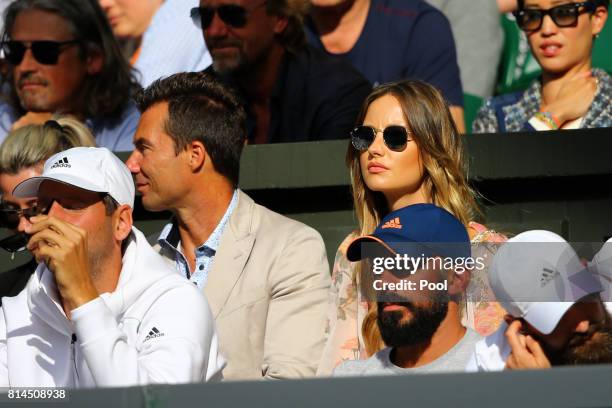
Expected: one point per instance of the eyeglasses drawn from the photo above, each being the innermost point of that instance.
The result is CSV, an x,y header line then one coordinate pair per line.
x,y
44,52
395,137
231,14
9,217
565,15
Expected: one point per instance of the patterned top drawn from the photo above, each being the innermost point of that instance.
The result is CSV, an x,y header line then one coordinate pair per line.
x,y
204,254
348,307
511,112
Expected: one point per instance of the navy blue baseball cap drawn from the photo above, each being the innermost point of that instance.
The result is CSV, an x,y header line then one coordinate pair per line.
x,y
419,229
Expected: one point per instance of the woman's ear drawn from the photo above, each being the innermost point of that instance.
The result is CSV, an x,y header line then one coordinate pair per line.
x,y
598,20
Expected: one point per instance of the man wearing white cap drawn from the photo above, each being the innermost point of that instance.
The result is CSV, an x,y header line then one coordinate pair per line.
x,y
556,316
102,308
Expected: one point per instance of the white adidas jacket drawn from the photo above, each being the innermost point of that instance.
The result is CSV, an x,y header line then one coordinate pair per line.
x,y
156,327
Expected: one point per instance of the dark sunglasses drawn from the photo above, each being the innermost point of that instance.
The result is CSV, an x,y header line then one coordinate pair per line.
x,y
565,15
15,243
44,52
231,14
9,217
395,137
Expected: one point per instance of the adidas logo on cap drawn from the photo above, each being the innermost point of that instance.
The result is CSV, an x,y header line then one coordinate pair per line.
x,y
154,333
547,276
61,163
394,223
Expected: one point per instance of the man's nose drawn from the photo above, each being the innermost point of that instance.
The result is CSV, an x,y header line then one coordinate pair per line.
x,y
217,27
28,63
106,4
133,162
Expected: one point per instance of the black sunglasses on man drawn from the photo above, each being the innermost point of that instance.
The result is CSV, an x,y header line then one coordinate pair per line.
x,y
44,52
231,14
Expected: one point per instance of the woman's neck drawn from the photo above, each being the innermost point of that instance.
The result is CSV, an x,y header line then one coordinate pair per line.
x,y
552,83
340,26
395,201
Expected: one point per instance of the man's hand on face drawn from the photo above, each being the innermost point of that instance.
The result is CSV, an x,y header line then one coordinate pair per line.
x,y
63,248
526,351
32,118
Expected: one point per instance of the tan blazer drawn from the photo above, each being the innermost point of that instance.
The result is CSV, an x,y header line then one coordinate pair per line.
x,y
268,291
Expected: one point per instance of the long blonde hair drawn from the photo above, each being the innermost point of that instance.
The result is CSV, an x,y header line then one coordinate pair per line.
x,y
445,170
29,146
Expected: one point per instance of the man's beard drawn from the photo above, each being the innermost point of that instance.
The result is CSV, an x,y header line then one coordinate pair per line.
x,y
228,65
419,329
592,347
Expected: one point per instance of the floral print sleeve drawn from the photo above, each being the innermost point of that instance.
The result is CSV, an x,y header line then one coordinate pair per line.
x,y
345,314
482,313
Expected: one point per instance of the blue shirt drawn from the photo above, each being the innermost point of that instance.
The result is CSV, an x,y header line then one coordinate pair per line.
x,y
404,39
204,254
114,134
172,43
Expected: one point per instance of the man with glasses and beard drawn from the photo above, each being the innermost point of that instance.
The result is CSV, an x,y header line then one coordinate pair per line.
x,y
555,312
421,328
63,59
294,92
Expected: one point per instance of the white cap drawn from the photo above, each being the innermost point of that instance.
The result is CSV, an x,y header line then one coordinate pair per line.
x,y
90,168
538,276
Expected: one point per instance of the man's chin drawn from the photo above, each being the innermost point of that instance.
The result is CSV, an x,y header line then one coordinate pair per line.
x,y
35,105
150,204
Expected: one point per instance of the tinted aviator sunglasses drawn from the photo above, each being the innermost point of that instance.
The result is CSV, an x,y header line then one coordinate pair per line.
x,y
44,52
565,15
395,137
231,14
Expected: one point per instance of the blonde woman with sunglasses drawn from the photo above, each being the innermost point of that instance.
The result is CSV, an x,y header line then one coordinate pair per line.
x,y
406,150
570,93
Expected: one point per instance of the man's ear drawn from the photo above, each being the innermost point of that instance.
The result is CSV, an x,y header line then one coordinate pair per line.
x,y
94,61
598,21
122,222
197,155
458,282
280,24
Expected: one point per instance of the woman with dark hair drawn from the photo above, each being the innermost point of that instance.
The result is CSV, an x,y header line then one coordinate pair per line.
x,y
405,151
570,94
64,59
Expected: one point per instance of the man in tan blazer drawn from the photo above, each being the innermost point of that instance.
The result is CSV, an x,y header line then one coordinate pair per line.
x,y
266,276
